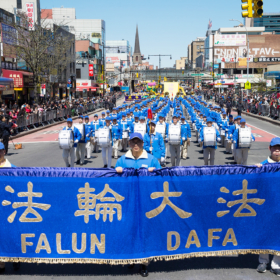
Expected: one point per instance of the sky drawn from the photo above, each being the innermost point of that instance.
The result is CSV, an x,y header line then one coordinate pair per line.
x,y
165,27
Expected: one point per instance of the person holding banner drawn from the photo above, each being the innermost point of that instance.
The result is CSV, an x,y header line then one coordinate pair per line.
x,y
71,152
95,126
274,157
154,144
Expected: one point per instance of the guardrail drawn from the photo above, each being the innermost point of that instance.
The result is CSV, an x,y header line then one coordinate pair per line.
x,y
25,123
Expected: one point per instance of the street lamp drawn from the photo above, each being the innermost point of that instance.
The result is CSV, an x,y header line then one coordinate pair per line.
x,y
247,54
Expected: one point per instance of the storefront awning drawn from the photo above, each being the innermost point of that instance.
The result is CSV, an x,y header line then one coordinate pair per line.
x,y
87,88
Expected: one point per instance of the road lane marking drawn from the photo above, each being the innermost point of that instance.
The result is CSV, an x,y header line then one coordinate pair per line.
x,y
263,130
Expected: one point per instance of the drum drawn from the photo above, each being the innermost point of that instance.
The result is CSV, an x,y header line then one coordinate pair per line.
x,y
81,128
140,128
174,135
244,137
104,137
96,134
66,139
161,128
125,134
209,134
223,132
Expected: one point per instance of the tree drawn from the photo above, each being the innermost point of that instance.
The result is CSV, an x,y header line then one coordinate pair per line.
x,y
45,49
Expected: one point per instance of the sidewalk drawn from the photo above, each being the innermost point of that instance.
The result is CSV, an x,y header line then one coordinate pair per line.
x,y
119,101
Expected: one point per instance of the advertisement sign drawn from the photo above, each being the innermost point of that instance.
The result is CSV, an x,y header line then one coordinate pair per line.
x,y
90,70
113,59
268,83
171,88
230,40
9,34
29,8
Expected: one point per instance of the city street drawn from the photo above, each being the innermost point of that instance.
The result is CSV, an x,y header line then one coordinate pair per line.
x,y
41,149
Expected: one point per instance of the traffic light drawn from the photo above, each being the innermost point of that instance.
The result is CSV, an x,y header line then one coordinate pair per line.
x,y
249,7
258,8
137,76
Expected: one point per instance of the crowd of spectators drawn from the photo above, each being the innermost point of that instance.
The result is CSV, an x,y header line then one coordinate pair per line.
x,y
25,110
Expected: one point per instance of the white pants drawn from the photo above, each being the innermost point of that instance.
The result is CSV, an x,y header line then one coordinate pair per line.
x,y
184,150
175,152
88,149
209,152
228,146
116,148
66,154
275,263
80,152
107,155
241,155
95,147
233,151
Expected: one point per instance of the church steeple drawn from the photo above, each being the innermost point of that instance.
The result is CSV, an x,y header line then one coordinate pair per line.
x,y
137,59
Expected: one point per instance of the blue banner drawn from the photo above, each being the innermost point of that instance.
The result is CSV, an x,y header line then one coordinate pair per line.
x,y
62,215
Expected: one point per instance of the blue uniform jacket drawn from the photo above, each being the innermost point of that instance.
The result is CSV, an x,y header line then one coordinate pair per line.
x,y
116,133
145,161
217,138
102,122
157,144
88,132
77,134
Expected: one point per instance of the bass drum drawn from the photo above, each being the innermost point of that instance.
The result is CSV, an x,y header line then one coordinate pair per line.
x,y
104,137
174,135
66,139
140,128
244,137
209,135
161,129
81,128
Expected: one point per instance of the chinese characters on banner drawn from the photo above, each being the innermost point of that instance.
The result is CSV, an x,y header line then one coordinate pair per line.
x,y
18,80
30,14
90,70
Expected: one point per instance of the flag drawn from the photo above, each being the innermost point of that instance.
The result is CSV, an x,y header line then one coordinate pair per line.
x,y
210,24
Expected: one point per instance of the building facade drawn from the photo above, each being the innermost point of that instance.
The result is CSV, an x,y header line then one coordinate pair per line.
x,y
271,22
196,48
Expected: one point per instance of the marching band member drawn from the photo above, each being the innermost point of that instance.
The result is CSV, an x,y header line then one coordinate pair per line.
x,y
116,136
231,132
187,137
274,157
107,151
223,126
81,146
175,149
154,144
88,132
95,126
161,122
209,150
241,152
71,152
102,121
124,128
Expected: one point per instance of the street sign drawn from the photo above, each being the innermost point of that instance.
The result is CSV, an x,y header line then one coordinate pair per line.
x,y
268,83
247,85
193,75
219,84
219,74
199,80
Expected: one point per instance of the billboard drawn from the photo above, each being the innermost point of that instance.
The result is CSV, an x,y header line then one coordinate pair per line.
x,y
29,8
113,59
171,88
230,40
263,48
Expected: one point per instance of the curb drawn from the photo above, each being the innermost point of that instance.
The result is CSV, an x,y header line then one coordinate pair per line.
x,y
260,118
52,124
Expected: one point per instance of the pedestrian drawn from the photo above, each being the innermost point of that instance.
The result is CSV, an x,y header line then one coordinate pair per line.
x,y
274,157
5,131
239,107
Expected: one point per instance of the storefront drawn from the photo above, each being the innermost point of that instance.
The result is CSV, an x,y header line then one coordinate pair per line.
x,y
86,88
6,91
23,85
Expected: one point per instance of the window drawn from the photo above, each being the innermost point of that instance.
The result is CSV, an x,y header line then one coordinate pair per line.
x,y
78,73
136,58
19,4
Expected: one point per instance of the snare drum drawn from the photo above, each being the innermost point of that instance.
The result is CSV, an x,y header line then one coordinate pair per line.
x,y
66,139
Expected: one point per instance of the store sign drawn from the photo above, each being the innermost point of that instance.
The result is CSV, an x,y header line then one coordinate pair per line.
x,y
84,83
90,70
113,59
230,40
266,59
29,8
9,34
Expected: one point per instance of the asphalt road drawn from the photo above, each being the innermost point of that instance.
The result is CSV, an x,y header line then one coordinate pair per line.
x,y
44,152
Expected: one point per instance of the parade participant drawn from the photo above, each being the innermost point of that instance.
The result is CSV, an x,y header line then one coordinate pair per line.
x,y
175,146
114,114
231,132
186,139
4,162
154,144
223,126
116,136
102,121
107,113
5,131
81,146
209,149
137,157
95,126
88,132
71,152
124,129
107,151
274,157
162,127
241,152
